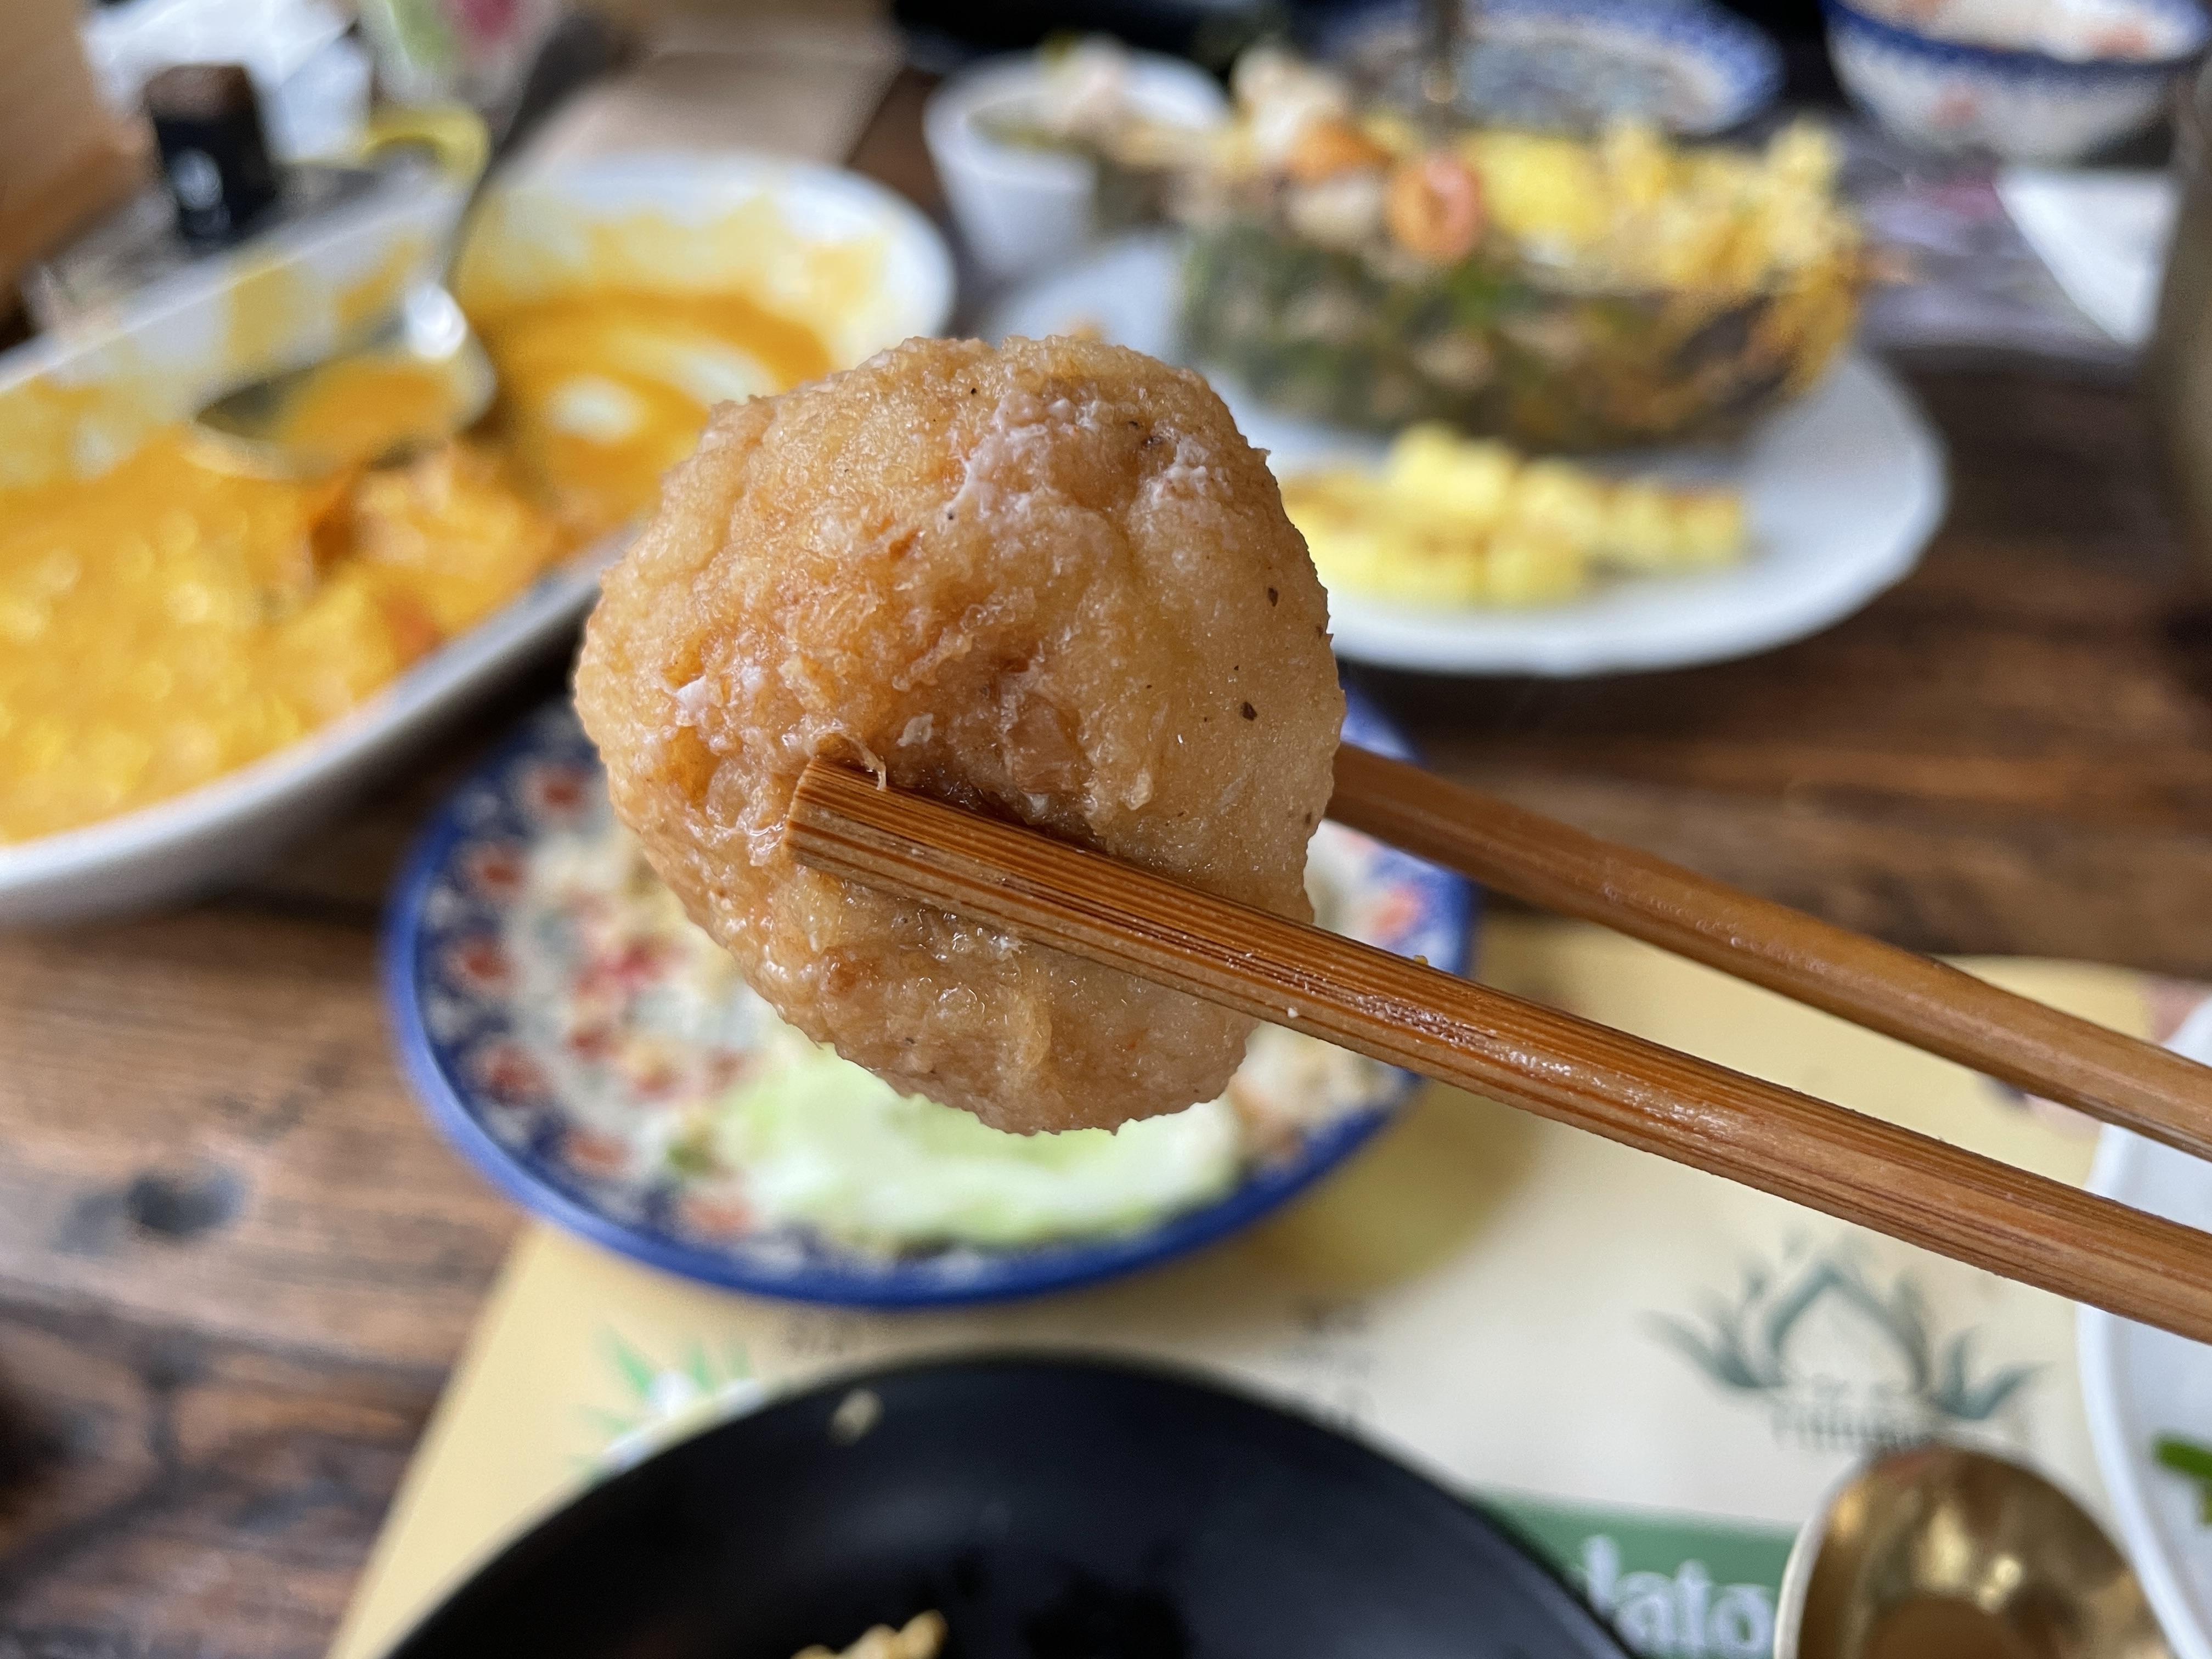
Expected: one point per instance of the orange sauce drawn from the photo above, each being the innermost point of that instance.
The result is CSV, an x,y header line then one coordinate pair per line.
x,y
167,621
356,409
164,621
602,390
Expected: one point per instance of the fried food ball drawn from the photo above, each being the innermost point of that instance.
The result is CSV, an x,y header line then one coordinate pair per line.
x,y
1048,581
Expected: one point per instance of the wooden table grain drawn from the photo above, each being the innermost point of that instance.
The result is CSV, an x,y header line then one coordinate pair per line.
x,y
235,1264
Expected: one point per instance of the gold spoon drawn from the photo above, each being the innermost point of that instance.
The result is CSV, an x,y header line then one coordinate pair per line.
x,y
1940,1553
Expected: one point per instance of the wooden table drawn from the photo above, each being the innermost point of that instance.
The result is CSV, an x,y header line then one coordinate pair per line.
x,y
235,1264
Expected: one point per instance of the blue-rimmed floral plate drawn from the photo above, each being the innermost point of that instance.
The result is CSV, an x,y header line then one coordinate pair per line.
x,y
598,1058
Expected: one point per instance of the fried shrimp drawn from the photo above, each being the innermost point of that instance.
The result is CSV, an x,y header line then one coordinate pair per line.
x,y
1047,582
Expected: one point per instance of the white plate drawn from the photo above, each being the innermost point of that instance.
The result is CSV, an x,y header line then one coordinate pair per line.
x,y
183,846
2139,1383
1844,488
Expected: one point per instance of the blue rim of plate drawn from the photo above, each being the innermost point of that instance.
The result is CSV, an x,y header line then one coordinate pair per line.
x,y
2025,64
428,912
1744,61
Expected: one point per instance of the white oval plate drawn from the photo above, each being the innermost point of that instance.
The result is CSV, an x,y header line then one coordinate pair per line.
x,y
2138,1383
1844,488
182,846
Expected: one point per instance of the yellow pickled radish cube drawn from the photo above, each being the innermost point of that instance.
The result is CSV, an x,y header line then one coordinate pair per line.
x,y
1556,500
1438,564
1452,522
1528,566
1709,528
1424,449
1319,503
1336,492
1336,544
1640,528
1431,465
1347,544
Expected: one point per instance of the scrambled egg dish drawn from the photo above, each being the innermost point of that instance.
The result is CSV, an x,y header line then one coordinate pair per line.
x,y
170,619
1452,521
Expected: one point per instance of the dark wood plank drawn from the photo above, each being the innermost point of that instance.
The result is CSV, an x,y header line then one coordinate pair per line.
x,y
234,1266
204,1126
165,1492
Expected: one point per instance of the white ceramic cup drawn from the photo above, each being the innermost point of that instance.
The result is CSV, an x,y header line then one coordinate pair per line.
x,y
1019,209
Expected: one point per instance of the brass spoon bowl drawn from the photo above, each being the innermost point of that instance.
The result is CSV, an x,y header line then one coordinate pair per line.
x,y
1939,1552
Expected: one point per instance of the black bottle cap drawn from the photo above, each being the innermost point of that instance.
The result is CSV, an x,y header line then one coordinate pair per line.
x,y
207,121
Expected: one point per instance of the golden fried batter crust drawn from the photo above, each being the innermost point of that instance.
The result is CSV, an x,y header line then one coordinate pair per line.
x,y
1048,581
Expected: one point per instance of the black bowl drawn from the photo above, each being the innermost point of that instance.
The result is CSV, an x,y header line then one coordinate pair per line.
x,y
1051,1510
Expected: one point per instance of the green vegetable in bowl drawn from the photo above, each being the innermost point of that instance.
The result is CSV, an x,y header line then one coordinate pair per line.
x,y
2191,1460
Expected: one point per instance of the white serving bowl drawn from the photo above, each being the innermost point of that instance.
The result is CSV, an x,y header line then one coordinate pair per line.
x,y
1020,210
2139,1383
2022,105
183,846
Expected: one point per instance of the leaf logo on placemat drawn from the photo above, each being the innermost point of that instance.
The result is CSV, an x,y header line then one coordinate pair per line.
x,y
666,1403
1842,1363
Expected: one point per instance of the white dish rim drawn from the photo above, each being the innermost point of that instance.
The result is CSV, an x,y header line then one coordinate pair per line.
x,y
951,117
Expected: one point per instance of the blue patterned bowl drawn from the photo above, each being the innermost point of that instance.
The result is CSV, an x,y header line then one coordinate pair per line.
x,y
1684,65
2024,105
471,1041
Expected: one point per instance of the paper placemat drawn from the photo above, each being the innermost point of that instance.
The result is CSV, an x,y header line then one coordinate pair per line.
x,y
796,82
1654,1373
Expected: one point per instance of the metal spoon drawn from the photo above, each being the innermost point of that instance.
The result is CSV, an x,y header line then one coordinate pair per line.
x,y
248,427
429,333
1939,1552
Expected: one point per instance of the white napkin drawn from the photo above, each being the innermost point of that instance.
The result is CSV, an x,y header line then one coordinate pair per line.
x,y
2103,232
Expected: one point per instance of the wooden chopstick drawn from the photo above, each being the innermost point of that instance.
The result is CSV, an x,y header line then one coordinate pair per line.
x,y
1969,1208
2111,1077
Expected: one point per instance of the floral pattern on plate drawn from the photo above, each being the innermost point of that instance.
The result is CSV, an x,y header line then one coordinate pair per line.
x,y
570,1038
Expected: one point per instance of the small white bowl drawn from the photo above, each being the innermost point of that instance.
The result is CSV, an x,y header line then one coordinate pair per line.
x,y
1020,210
2022,105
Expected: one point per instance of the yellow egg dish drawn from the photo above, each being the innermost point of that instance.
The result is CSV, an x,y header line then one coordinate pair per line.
x,y
168,620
